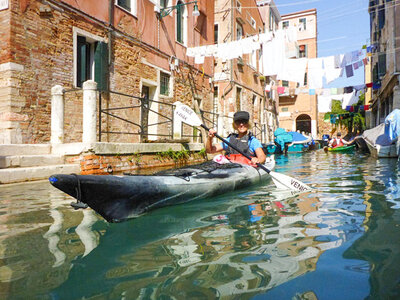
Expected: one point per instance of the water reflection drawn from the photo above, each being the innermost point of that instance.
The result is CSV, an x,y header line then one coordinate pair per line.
x,y
255,244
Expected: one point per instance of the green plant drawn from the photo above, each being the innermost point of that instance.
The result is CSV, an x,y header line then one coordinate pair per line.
x,y
136,158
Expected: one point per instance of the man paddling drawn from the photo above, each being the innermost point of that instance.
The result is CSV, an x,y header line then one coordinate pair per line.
x,y
243,140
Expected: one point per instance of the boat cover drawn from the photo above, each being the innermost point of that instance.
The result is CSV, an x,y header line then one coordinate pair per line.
x,y
298,138
377,136
392,125
282,137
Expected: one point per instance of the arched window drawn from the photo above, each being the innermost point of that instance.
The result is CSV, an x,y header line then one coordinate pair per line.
x,y
181,16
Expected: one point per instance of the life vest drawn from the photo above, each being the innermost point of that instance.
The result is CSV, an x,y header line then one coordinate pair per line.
x,y
243,145
240,143
337,143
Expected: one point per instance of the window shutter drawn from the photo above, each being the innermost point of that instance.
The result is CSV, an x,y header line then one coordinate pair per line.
x,y
381,65
81,61
179,34
306,50
101,65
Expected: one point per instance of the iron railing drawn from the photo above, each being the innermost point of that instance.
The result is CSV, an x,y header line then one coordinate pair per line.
x,y
210,119
139,106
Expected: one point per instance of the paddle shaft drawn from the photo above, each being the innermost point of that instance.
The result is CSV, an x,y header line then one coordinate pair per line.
x,y
234,148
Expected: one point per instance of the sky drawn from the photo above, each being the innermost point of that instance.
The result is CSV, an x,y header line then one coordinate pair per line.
x,y
342,25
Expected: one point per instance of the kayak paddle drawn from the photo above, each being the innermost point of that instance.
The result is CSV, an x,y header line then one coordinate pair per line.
x,y
188,116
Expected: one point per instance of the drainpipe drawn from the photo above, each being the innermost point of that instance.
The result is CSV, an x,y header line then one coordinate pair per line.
x,y
110,38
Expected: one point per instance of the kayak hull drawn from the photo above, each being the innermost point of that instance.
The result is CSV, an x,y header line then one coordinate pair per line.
x,y
344,149
117,198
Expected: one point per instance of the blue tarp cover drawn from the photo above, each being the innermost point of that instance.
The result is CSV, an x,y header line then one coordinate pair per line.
x,y
392,125
282,137
298,137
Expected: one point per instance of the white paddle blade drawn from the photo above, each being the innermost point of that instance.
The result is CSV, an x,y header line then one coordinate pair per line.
x,y
289,183
187,115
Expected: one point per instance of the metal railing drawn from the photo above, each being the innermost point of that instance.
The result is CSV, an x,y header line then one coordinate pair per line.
x,y
132,107
210,119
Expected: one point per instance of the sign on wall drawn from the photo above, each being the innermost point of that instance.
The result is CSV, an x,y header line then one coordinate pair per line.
x,y
3,4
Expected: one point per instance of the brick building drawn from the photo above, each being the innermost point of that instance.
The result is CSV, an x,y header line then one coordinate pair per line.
x,y
131,48
299,112
385,42
238,84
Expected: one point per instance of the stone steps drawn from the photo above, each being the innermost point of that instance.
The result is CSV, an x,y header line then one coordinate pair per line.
x,y
12,175
15,161
28,162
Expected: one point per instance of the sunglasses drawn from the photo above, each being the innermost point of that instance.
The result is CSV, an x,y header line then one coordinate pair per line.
x,y
241,121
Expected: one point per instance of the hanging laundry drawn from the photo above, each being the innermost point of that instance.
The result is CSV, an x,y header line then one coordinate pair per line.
x,y
369,85
331,72
359,87
348,89
334,91
293,70
280,90
274,55
350,99
324,104
315,73
311,92
354,56
349,71
355,65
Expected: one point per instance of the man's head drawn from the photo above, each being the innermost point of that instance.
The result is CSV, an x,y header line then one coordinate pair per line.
x,y
339,134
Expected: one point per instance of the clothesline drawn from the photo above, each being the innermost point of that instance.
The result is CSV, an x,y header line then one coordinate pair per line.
x,y
273,59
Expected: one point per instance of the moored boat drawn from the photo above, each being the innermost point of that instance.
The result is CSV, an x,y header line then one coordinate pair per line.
x,y
117,198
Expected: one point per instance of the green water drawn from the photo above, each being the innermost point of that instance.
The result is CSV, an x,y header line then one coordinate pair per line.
x,y
340,241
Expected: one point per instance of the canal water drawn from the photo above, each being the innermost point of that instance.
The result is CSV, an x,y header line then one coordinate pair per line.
x,y
339,241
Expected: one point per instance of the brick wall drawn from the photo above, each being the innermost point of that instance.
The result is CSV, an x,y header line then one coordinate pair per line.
x,y
42,45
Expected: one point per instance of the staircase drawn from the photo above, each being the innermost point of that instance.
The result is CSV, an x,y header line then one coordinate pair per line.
x,y
27,162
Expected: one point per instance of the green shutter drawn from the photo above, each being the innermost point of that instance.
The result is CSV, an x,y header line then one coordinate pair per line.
x,y
179,34
101,65
382,64
81,61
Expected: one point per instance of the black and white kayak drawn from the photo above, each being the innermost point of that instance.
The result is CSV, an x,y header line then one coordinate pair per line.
x,y
117,198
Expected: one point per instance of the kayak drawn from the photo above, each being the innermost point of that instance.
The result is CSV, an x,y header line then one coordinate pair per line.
x,y
346,148
117,198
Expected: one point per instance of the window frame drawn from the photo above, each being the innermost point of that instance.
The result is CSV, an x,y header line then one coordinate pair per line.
x,y
132,9
181,14
304,24
91,39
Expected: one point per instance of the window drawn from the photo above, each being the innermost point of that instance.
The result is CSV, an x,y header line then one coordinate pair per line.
x,y
239,31
253,22
284,109
272,21
285,83
305,78
90,59
181,28
238,98
164,83
215,33
164,3
239,6
253,59
302,24
129,5
302,51
285,24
